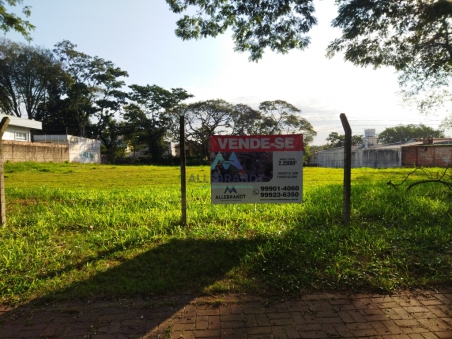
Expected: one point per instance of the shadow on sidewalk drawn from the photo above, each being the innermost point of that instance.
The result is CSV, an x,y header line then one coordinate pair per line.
x,y
182,267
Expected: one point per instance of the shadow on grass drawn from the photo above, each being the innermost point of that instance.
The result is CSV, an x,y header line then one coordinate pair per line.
x,y
189,267
177,266
169,275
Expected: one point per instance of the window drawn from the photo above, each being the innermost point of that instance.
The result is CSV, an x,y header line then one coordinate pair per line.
x,y
20,136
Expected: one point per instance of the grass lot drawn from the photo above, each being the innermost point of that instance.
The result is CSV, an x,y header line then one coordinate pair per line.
x,y
101,231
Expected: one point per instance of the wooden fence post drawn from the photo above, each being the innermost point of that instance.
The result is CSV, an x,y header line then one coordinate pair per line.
x,y
183,182
3,124
347,167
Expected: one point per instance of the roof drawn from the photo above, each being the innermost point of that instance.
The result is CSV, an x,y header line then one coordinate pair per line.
x,y
21,122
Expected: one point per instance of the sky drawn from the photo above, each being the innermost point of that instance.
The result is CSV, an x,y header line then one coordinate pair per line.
x,y
138,36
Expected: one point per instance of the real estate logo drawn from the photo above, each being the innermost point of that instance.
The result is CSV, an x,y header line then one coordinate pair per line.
x,y
230,190
233,160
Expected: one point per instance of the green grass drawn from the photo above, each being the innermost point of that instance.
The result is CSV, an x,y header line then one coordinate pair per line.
x,y
100,231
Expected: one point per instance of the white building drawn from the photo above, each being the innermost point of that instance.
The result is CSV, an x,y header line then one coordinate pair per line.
x,y
19,129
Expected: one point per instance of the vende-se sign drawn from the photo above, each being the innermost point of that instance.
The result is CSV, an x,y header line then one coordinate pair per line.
x,y
256,169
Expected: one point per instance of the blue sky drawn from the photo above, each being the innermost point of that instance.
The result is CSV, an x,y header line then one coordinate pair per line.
x,y
138,36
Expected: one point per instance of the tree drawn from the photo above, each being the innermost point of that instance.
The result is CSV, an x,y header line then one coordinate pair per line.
x,y
10,20
210,117
204,119
280,117
149,115
94,88
26,72
404,133
412,36
338,140
256,25
245,120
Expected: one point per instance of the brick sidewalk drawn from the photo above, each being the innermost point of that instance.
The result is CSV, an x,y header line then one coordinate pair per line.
x,y
416,315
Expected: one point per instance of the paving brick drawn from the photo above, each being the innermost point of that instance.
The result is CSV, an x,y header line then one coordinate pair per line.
x,y
388,304
236,309
262,320
406,322
431,302
416,336
444,335
357,316
346,317
232,324
437,325
207,333
380,328
313,334
429,335
330,329
402,313
278,315
233,333
309,327
297,317
259,330
437,311
281,321
260,336
414,329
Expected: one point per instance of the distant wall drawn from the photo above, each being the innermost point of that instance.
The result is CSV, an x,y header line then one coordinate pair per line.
x,y
427,155
21,151
361,157
81,150
84,150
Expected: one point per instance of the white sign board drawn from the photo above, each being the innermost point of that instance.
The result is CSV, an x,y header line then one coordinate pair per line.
x,y
256,169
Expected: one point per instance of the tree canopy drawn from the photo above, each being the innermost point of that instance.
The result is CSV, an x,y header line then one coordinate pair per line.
x,y
256,25
206,118
338,140
10,21
25,73
404,133
413,36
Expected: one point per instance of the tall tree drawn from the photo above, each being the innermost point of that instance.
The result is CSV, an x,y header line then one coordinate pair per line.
x,y
26,72
204,119
94,88
280,117
149,114
404,133
245,120
10,20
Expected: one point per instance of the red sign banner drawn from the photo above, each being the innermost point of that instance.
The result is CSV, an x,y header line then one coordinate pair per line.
x,y
256,143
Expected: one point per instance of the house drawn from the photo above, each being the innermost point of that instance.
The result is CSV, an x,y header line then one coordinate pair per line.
x,y
143,151
81,150
189,149
19,129
419,152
